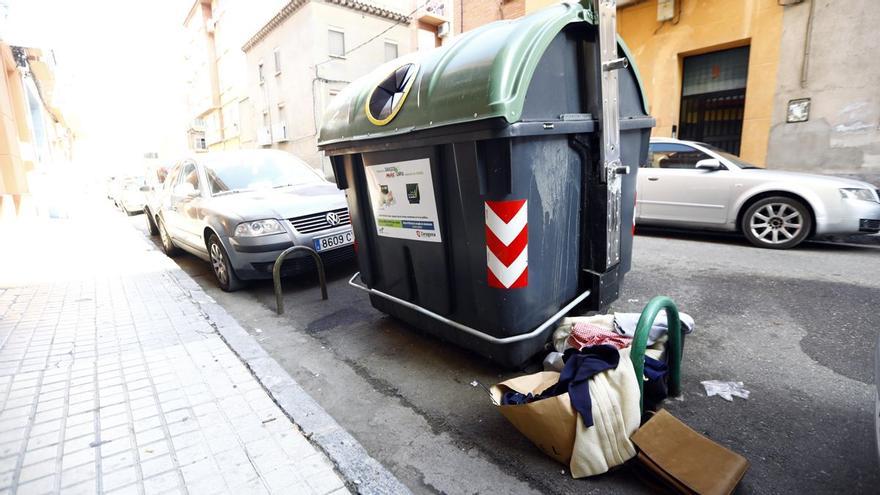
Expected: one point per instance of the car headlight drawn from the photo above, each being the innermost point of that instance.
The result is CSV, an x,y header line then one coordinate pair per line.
x,y
258,228
856,193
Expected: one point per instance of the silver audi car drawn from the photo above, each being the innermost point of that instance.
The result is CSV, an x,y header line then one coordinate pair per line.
x,y
240,209
695,185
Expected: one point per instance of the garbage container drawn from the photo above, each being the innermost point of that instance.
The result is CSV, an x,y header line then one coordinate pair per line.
x,y
489,187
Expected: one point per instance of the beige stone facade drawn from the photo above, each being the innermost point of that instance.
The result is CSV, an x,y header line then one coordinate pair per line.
x,y
311,49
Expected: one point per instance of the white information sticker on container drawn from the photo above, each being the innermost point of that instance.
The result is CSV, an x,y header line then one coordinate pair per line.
x,y
402,197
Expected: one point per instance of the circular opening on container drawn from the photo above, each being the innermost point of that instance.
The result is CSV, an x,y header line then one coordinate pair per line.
x,y
387,98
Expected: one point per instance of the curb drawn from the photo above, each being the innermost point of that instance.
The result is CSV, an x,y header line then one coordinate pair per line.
x,y
360,471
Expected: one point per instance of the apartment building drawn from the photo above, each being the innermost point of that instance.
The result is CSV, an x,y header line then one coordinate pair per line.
x,y
311,49
215,82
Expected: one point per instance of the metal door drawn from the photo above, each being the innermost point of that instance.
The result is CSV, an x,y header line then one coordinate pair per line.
x,y
713,98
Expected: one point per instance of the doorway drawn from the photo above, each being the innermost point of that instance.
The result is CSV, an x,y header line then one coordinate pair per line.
x,y
713,98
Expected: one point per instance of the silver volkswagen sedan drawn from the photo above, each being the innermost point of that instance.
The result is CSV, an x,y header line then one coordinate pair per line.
x,y
240,209
695,185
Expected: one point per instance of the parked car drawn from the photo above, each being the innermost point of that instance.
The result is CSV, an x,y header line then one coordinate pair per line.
x,y
239,210
130,197
695,185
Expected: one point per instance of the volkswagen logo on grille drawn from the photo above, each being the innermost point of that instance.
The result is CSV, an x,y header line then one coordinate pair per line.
x,y
332,218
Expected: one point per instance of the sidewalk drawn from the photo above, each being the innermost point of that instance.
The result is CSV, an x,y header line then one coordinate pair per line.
x,y
112,380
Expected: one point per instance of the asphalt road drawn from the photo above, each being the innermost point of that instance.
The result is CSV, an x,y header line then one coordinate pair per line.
x,y
797,327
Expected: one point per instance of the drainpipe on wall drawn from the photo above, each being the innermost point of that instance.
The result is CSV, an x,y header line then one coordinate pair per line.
x,y
805,65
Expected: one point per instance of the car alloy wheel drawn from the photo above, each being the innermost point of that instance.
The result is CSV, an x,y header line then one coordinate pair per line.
x,y
167,245
776,223
223,270
219,264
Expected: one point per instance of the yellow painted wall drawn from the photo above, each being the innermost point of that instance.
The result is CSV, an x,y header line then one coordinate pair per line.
x,y
704,26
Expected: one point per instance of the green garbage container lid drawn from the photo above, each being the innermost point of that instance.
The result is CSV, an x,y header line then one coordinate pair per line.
x,y
485,74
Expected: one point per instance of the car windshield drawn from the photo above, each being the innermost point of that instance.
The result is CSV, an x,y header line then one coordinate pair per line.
x,y
729,156
247,171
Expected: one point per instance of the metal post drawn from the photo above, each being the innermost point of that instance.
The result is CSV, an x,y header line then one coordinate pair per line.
x,y
673,347
610,150
276,274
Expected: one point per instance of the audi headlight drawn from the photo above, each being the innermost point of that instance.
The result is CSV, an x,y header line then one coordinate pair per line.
x,y
258,228
861,194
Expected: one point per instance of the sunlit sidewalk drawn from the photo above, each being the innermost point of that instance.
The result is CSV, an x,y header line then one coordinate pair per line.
x,y
113,381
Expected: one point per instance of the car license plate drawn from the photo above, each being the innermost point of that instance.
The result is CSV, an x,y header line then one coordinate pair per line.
x,y
334,241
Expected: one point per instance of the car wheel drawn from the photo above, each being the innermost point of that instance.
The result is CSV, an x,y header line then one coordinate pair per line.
x,y
777,222
223,271
151,223
167,244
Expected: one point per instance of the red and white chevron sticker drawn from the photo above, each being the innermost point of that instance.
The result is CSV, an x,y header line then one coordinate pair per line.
x,y
507,244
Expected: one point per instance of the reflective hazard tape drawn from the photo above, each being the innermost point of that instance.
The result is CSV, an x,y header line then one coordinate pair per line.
x,y
507,244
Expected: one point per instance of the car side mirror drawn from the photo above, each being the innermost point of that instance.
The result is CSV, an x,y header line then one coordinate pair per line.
x,y
184,189
710,164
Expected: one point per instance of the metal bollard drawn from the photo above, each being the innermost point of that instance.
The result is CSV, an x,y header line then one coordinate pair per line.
x,y
673,346
276,274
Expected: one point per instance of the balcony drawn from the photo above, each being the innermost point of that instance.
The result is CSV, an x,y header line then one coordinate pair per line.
x,y
434,13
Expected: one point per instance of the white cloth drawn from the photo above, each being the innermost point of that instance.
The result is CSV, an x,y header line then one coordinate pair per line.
x,y
625,324
616,416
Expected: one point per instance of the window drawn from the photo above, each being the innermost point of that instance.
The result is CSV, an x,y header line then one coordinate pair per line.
x,y
260,76
282,115
190,175
671,155
246,170
390,51
277,55
199,143
336,46
171,179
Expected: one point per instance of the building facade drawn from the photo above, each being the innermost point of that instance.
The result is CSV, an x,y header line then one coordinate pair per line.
x,y
311,49
709,68
782,83
216,79
826,108
34,134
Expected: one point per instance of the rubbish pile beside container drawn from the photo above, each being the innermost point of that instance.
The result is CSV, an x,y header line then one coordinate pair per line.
x,y
490,194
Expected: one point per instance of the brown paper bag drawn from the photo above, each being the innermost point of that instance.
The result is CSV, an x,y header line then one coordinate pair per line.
x,y
549,423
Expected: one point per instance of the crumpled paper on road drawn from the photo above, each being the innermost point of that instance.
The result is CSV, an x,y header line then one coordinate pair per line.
x,y
725,389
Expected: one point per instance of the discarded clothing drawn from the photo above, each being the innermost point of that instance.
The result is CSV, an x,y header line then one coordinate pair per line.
x,y
561,432
725,389
625,324
588,335
518,399
655,388
580,366
560,335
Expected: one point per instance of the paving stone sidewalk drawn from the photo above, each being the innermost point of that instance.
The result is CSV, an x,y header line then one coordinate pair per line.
x,y
113,381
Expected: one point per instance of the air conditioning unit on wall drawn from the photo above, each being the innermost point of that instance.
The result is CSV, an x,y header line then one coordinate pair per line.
x,y
264,137
280,132
443,30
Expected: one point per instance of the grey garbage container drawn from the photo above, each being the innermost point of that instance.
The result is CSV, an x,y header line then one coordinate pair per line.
x,y
486,199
